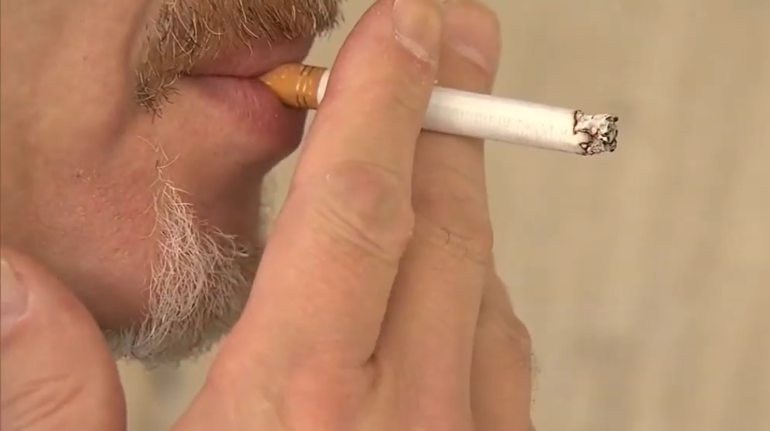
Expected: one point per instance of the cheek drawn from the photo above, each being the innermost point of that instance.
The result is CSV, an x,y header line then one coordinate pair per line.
x,y
92,232
218,163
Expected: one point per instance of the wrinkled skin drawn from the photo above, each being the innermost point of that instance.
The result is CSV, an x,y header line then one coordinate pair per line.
x,y
131,200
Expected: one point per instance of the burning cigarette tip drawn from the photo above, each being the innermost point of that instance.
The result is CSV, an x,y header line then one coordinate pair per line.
x,y
601,132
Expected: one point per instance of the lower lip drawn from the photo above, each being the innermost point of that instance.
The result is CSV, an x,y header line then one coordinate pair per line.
x,y
249,105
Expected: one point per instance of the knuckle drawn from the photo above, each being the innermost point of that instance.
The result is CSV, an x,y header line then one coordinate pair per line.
x,y
516,336
520,338
401,92
365,206
456,220
411,90
509,333
459,243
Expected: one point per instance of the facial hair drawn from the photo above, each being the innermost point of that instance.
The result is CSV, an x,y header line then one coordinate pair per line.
x,y
189,31
201,278
199,285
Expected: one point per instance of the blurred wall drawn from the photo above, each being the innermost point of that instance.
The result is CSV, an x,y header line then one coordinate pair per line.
x,y
644,276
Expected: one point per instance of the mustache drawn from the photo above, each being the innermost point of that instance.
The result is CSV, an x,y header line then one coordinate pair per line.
x,y
186,32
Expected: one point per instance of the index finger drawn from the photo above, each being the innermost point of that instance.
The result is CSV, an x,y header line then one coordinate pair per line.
x,y
327,272
377,93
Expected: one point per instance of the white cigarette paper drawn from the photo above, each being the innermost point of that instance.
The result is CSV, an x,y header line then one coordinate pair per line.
x,y
512,121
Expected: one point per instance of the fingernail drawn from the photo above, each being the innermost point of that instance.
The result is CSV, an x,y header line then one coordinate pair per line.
x,y
473,31
417,25
13,297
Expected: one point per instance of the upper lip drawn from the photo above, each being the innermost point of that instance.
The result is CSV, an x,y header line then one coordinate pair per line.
x,y
255,60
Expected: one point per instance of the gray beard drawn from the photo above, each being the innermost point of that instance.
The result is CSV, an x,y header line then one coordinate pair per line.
x,y
199,286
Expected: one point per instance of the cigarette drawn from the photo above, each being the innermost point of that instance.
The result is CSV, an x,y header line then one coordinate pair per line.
x,y
472,115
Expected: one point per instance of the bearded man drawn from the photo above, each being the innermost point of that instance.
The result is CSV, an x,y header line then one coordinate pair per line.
x,y
135,140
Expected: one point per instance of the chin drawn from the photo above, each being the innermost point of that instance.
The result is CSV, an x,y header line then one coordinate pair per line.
x,y
197,279
208,224
200,283
208,229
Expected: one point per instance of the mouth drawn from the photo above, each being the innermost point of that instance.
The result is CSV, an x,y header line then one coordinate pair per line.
x,y
237,99
256,60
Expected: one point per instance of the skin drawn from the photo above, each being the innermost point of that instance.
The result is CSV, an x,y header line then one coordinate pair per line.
x,y
375,306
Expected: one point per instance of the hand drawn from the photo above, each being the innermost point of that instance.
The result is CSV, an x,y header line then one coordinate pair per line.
x,y
376,306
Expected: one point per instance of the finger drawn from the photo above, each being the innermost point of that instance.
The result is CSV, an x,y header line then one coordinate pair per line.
x,y
502,367
434,308
328,269
377,94
57,373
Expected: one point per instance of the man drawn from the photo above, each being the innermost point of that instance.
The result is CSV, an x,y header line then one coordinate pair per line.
x,y
134,143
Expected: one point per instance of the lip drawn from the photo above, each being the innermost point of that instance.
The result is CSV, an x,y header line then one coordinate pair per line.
x,y
258,59
236,98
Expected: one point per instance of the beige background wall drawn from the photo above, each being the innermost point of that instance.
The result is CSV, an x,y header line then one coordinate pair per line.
x,y
645,275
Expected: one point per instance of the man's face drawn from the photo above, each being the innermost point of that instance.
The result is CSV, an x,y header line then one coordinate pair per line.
x,y
159,233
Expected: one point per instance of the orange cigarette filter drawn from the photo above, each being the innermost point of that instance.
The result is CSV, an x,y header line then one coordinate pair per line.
x,y
296,84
